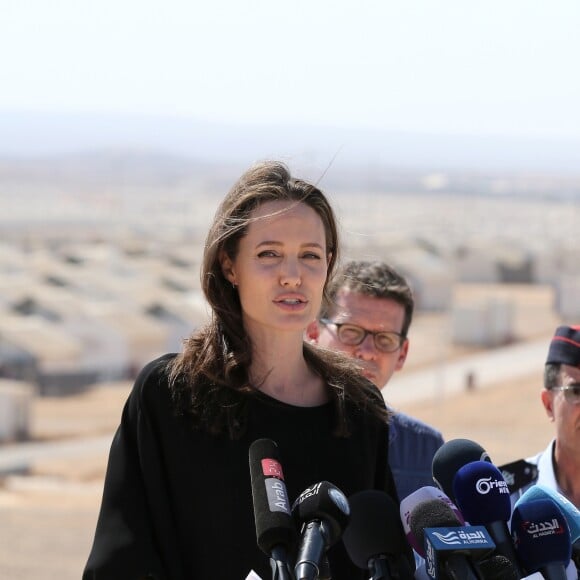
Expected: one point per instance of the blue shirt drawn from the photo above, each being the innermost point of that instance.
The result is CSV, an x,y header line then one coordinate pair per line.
x,y
412,445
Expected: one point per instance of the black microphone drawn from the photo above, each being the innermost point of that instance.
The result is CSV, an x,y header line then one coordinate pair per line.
x,y
498,567
322,511
374,538
275,530
450,548
450,457
483,497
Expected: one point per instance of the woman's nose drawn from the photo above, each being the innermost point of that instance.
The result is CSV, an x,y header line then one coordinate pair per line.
x,y
290,273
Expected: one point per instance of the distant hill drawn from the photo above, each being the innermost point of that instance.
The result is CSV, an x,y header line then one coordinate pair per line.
x,y
312,148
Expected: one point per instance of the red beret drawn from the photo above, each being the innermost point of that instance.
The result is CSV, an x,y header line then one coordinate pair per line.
x,y
565,346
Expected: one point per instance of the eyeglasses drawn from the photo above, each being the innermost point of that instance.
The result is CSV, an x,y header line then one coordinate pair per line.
x,y
353,335
571,393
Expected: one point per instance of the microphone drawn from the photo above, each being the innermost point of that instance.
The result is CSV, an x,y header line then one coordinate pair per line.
x,y
407,505
542,538
323,512
275,530
374,538
498,567
493,568
450,457
570,511
483,497
450,548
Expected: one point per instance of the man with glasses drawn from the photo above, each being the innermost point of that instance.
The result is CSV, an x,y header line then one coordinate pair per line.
x,y
371,312
558,466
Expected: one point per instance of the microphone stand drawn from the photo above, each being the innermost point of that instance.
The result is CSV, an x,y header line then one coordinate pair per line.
x,y
379,568
389,567
281,570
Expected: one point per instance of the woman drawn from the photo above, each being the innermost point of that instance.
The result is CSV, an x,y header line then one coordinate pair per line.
x,y
177,501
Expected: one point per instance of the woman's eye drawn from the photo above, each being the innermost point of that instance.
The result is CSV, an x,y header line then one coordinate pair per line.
x,y
311,256
267,254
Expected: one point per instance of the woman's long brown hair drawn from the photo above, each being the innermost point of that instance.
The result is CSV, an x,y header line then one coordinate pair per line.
x,y
209,378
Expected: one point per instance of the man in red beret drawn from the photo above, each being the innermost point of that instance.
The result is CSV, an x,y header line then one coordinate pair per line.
x,y
558,466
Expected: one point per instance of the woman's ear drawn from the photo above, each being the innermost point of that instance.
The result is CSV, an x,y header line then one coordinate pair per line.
x,y
227,268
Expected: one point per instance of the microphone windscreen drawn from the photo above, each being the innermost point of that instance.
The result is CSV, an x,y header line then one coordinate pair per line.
x,y
498,567
323,501
570,511
541,535
374,528
274,523
482,493
408,504
450,457
431,514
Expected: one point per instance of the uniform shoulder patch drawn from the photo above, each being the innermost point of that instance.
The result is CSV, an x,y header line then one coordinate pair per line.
x,y
518,474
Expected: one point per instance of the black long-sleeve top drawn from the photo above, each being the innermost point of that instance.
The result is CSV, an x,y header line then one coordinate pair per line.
x,y
177,502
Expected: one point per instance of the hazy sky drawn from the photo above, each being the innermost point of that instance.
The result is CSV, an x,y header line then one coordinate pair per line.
x,y
459,66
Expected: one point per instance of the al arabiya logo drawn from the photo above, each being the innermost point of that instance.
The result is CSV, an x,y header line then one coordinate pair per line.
x,y
486,484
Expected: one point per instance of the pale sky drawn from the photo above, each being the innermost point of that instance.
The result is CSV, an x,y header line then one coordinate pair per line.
x,y
505,67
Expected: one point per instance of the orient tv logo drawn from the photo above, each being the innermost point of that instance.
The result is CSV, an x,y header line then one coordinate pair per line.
x,y
486,484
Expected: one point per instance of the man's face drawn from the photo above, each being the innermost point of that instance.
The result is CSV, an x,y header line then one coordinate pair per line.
x,y
564,414
370,313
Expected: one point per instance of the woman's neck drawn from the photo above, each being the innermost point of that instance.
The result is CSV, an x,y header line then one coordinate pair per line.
x,y
279,370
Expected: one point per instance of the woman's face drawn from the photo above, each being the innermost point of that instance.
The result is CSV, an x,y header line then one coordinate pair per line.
x,y
280,268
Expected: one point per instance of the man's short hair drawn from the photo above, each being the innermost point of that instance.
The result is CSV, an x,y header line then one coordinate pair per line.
x,y
373,278
552,375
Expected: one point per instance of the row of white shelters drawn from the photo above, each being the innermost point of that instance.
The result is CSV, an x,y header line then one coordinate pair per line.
x,y
83,316
567,301
485,323
427,270
15,409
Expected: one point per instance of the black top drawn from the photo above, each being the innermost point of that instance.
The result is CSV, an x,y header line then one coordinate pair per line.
x,y
177,501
